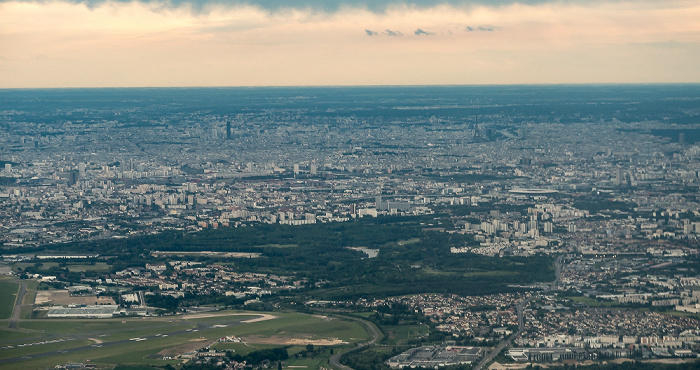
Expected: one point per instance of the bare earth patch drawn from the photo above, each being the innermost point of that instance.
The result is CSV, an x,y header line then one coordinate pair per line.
x,y
672,360
63,298
263,317
275,339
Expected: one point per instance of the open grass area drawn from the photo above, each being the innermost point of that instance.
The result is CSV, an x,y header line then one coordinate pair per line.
x,y
224,317
34,347
400,334
130,353
170,329
24,265
8,336
311,327
496,273
137,353
28,302
408,241
364,314
72,267
490,273
8,293
98,266
278,245
431,271
593,302
112,341
93,326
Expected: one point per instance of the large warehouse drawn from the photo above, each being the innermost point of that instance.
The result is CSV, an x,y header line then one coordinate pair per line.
x,y
85,312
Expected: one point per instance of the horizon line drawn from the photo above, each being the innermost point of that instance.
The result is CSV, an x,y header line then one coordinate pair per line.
x,y
355,86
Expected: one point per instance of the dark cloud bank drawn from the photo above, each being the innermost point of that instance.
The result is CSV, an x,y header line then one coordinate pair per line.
x,y
319,5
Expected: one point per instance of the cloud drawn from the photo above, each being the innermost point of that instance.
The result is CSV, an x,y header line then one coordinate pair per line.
x,y
58,43
482,28
371,33
329,6
389,32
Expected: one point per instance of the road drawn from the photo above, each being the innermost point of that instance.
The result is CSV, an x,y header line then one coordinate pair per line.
x,y
371,329
507,341
18,304
521,322
557,272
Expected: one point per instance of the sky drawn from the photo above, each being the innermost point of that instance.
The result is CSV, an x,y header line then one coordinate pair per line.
x,y
105,43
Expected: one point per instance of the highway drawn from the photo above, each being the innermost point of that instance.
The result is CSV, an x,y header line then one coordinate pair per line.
x,y
371,329
507,341
521,322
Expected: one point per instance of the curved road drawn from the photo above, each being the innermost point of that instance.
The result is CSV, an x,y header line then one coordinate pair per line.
x,y
371,329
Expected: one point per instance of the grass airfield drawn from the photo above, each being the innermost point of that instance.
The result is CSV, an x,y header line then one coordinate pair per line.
x,y
42,343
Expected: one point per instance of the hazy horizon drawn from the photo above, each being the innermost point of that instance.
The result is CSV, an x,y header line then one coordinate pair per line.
x,y
592,84
212,43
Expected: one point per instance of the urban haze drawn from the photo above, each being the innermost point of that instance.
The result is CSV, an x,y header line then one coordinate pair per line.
x,y
465,227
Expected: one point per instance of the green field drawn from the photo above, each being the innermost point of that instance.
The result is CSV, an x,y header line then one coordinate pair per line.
x,y
277,246
34,346
225,319
594,302
497,273
72,267
408,241
28,302
364,315
98,266
490,273
106,343
90,326
401,334
8,336
8,294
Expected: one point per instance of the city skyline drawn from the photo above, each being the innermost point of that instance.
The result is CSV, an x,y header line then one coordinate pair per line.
x,y
211,43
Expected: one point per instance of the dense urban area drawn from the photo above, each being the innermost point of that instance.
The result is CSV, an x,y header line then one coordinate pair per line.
x,y
504,227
